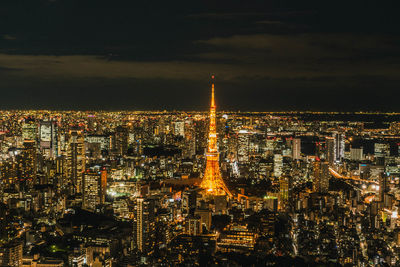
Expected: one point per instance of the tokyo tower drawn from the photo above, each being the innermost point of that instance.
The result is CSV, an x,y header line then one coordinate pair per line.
x,y
212,182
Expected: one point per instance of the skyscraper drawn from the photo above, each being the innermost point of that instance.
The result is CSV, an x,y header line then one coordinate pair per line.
x,y
212,182
339,147
76,159
383,186
11,254
29,130
28,162
94,188
121,140
381,150
179,128
243,146
356,154
144,224
48,139
278,165
330,150
321,176
193,225
296,148
284,184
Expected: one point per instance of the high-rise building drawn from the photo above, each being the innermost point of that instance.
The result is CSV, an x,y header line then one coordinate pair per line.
x,y
278,165
48,139
356,154
200,130
383,186
381,150
144,224
189,202
321,176
193,225
339,147
29,130
190,140
76,159
94,188
205,215
11,254
243,146
179,128
284,187
121,140
330,150
212,182
28,162
269,146
296,148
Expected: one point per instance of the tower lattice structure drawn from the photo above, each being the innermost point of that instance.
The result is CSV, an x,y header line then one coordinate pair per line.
x,y
212,182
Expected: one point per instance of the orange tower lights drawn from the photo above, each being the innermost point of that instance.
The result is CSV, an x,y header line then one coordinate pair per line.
x,y
212,182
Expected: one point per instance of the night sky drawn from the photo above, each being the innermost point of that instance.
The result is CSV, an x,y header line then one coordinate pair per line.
x,y
156,54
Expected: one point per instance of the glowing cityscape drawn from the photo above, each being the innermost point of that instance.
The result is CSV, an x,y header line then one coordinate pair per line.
x,y
199,133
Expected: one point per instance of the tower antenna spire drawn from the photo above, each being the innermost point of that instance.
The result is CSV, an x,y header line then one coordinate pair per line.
x,y
212,92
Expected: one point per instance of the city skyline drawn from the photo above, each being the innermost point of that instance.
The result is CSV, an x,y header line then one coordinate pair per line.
x,y
172,188
199,133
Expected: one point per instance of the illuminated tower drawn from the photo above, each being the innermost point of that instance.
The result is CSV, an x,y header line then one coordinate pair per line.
x,y
212,181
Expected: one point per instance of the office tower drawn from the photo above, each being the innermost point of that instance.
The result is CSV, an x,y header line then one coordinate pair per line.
x,y
189,149
11,254
205,215
243,146
296,148
383,186
28,162
212,182
269,146
29,130
381,150
201,136
356,154
339,147
101,142
232,150
179,128
76,159
267,225
76,259
48,139
144,224
94,188
61,167
278,165
121,140
193,225
330,150
283,191
189,202
321,176
320,150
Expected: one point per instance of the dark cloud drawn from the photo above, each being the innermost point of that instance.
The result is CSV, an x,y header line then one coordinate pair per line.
x,y
268,55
